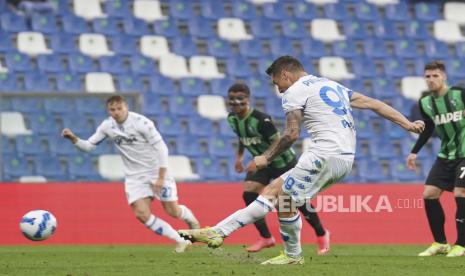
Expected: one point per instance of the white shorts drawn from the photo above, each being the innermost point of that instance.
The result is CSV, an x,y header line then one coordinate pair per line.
x,y
140,186
314,173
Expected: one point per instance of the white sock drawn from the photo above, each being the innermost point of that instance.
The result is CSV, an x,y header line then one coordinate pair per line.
x,y
162,228
255,211
186,214
290,233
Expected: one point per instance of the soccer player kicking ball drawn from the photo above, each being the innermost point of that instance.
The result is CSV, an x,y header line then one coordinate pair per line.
x,y
257,132
443,111
324,107
145,158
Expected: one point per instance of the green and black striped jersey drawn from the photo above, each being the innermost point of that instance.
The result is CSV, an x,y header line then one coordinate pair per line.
x,y
256,132
446,114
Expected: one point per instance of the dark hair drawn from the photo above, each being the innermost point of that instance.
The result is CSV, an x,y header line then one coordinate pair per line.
x,y
435,65
239,87
116,99
287,63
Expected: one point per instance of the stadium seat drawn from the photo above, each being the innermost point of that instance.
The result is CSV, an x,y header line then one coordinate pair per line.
x,y
273,107
460,49
364,67
232,29
395,68
417,30
181,105
405,48
334,68
313,48
42,123
106,26
99,82
67,82
382,149
74,25
113,64
275,11
397,12
13,23
169,126
180,9
372,171
212,9
386,30
89,105
204,67
220,48
44,23
173,66
281,46
212,107
94,45
142,65
168,28
15,167
18,62
454,11
304,10
63,43
135,27
123,44
153,106
355,30
262,28
250,48
130,83
437,49
110,167
238,66
401,173
448,31
209,168
59,105
191,146
117,9
260,87
37,82
9,83
325,30
184,46
79,63
192,87
32,43
154,46
225,130
81,168
366,12
26,105
51,63
148,10
243,10
427,11
220,86
12,124
412,87
345,49
161,85
180,168
385,87
88,9
455,68
7,147
29,145
200,127
335,11
6,43
219,147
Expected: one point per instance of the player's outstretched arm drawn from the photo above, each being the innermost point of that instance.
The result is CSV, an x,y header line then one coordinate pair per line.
x,y
68,134
363,102
83,145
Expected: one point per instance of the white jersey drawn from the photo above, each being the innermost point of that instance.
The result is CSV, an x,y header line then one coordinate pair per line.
x,y
327,115
135,139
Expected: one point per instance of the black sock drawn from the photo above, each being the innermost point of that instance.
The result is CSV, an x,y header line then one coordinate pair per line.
x,y
460,220
312,218
261,226
436,219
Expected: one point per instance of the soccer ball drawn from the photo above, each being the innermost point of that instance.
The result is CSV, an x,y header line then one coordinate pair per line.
x,y
38,225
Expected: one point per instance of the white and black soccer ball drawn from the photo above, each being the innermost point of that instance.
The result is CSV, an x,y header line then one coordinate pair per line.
x,y
38,225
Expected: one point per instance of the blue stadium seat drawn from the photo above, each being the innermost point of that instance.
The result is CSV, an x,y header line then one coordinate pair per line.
x,y
336,11
26,104
437,49
184,46
14,167
382,148
364,129
13,23
401,173
345,49
372,171
395,68
427,11
212,9
44,23
135,27
113,64
17,62
251,48
180,9
9,83
42,123
161,85
167,28
59,147
124,44
455,68
7,147
6,43
81,167
294,29
392,130
405,48
130,83
79,124
355,30
37,82
244,10
59,106
383,87
192,87
260,87
220,48
189,146
73,24
63,43
118,9
152,105
375,48
386,30
220,147
106,26
89,105
417,30
182,105
209,168
68,82
169,126
313,48
304,10
29,145
263,64
398,12
199,127
201,28
50,168
364,67
280,46
220,86
79,63
142,65
366,12
238,66
262,28
460,49
226,131
274,108
51,63
275,11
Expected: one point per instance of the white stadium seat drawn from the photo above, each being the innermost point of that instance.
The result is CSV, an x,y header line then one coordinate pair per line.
x,y
148,10
204,67
334,68
154,46
454,11
110,167
94,45
99,82
412,87
173,66
212,107
88,9
32,179
232,29
325,30
32,43
447,31
12,124
180,168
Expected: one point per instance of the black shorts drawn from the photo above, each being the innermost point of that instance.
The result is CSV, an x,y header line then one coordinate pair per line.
x,y
447,174
265,175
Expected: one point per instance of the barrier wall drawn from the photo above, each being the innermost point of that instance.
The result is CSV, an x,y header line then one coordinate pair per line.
x,y
98,213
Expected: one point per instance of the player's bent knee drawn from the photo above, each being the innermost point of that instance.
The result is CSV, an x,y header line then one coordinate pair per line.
x,y
172,209
253,187
431,192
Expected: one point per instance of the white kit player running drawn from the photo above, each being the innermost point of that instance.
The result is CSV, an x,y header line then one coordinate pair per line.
x,y
145,158
324,108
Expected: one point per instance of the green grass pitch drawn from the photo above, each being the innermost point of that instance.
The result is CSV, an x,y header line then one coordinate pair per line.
x,y
229,260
